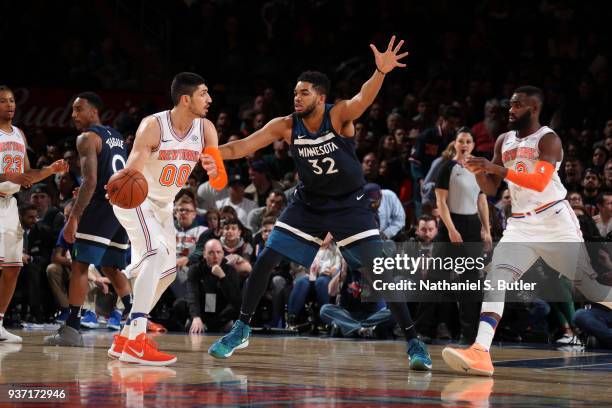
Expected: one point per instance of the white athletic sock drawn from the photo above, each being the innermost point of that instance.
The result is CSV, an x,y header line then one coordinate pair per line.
x,y
485,334
137,326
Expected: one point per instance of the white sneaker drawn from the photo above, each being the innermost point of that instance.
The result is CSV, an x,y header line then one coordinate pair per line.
x,y
569,339
6,337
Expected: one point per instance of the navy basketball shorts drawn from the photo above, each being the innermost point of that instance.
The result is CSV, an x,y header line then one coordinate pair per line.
x,y
100,239
302,226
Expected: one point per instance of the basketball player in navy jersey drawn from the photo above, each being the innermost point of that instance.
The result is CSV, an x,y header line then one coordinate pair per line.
x,y
92,226
330,197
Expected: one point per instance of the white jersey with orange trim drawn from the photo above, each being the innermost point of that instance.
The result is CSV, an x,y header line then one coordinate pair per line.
x,y
12,158
521,155
169,166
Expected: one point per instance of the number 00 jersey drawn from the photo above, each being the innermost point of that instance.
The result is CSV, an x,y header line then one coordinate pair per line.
x,y
170,164
12,156
326,161
521,155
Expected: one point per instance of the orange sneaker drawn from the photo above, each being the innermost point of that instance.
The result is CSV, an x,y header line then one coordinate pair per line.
x,y
474,360
155,327
117,347
144,351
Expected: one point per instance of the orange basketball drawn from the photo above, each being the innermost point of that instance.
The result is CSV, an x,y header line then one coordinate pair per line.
x,y
127,188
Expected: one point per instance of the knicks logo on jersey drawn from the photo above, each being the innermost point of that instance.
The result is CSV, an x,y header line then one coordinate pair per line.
x,y
520,167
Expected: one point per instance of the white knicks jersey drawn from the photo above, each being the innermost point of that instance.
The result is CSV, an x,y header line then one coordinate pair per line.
x,y
171,163
12,158
521,155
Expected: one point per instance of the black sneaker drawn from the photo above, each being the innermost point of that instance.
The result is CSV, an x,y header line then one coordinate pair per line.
x,y
334,331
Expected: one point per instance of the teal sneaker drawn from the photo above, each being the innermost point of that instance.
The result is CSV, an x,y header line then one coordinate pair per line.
x,y
419,356
237,338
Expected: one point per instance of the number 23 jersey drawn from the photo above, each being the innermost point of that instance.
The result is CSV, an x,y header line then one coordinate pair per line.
x,y
170,164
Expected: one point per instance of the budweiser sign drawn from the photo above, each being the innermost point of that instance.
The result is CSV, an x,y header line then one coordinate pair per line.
x,y
51,108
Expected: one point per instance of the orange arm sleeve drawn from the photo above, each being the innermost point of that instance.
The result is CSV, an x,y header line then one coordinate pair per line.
x,y
219,182
537,180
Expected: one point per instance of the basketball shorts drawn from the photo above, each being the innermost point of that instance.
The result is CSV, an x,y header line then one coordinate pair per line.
x,y
554,235
150,228
11,233
100,238
302,226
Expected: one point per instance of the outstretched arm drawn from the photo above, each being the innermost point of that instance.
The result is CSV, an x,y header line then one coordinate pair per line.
x,y
349,110
274,130
35,175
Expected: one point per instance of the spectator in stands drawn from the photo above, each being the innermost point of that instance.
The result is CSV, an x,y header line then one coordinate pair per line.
x,y
573,174
213,293
275,203
48,214
37,246
591,183
389,210
261,183
486,132
590,233
187,234
67,184
394,121
607,182
214,231
369,165
603,220
237,251
72,158
208,197
236,199
279,163
326,264
596,325
351,317
428,147
600,157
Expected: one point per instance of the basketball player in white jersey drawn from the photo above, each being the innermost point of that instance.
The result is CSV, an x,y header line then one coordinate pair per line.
x,y
167,147
15,172
528,158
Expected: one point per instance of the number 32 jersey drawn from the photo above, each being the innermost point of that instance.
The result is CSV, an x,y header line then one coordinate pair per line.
x,y
170,164
326,161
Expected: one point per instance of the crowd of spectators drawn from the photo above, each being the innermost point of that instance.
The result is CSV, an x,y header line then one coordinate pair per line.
x,y
458,75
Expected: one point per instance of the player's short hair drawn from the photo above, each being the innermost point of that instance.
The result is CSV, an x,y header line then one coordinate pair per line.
x,y
93,99
320,82
531,90
184,83
5,88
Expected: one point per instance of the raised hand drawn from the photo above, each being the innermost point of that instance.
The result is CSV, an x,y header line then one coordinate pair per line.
x,y
388,60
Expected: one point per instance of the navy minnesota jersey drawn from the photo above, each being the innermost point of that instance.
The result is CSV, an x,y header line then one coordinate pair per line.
x,y
112,156
326,161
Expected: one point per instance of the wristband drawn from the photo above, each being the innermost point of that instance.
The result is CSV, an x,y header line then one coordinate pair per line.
x,y
219,182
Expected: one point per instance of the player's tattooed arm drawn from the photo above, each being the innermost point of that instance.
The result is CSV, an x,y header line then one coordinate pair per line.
x,y
349,110
147,139
277,128
86,145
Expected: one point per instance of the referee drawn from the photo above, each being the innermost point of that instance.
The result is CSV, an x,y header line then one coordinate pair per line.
x,y
464,212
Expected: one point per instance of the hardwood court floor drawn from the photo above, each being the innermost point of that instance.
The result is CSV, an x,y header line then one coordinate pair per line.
x,y
297,371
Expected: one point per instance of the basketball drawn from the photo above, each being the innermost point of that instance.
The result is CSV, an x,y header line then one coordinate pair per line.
x,y
127,188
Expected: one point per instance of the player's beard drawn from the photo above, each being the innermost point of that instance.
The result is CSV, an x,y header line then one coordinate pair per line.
x,y
306,112
196,113
522,122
